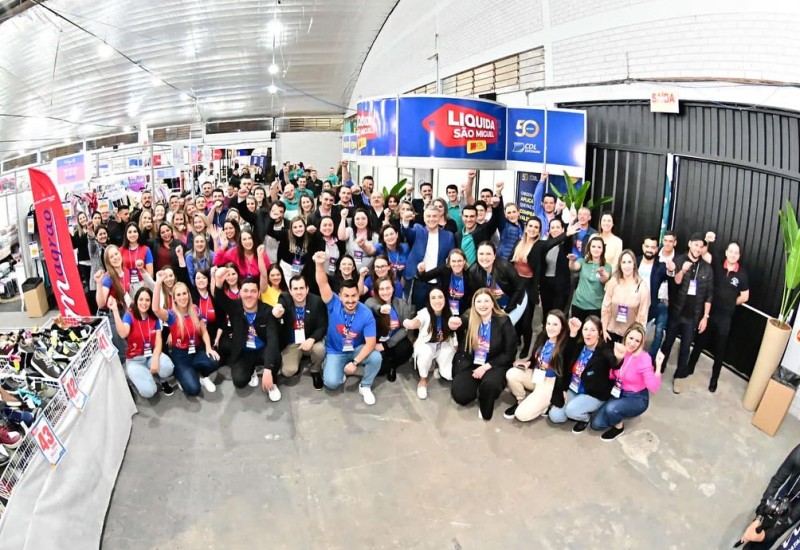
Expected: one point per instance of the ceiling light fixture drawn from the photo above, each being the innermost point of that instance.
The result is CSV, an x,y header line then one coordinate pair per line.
x,y
105,51
274,26
273,69
273,89
126,129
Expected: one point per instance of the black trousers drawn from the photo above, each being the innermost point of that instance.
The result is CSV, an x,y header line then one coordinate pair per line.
x,y
524,327
582,314
685,328
552,298
245,365
716,338
486,390
393,357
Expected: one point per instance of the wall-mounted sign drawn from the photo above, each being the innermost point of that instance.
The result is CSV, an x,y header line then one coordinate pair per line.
x,y
71,169
664,101
376,131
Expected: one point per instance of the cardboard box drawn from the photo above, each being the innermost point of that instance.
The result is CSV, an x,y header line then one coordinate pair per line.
x,y
773,407
35,297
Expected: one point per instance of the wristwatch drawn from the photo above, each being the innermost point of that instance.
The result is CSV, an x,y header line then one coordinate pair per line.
x,y
356,363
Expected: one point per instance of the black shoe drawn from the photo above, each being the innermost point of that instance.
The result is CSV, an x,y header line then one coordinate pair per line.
x,y
391,376
612,433
166,388
508,414
579,427
316,379
712,386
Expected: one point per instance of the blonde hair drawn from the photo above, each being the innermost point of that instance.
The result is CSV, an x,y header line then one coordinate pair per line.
x,y
475,319
198,326
525,244
293,243
636,327
618,273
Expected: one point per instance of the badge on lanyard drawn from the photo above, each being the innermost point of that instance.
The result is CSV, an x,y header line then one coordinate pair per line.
x,y
482,353
575,383
299,330
332,265
359,256
622,314
616,391
191,348
134,276
297,265
148,349
453,306
692,288
347,344
251,338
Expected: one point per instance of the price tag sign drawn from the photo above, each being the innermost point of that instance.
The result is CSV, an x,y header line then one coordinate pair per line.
x,y
75,395
33,248
47,441
31,225
106,347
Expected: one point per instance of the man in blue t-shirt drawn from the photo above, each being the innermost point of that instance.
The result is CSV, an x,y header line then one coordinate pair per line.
x,y
351,337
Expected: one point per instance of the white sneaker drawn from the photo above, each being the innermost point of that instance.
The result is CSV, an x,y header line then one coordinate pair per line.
x,y
422,392
366,393
480,414
207,384
274,394
436,373
253,381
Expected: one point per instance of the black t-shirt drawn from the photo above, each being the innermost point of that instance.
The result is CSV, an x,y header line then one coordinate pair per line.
x,y
727,287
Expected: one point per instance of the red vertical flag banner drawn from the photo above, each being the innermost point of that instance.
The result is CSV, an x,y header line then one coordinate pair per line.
x,y
56,247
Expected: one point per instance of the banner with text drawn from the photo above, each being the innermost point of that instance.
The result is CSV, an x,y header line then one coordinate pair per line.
x,y
376,131
57,250
71,169
531,189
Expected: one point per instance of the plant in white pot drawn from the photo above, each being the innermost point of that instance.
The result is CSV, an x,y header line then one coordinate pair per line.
x,y
778,331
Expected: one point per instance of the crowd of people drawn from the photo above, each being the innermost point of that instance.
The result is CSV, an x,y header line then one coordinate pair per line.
x,y
260,277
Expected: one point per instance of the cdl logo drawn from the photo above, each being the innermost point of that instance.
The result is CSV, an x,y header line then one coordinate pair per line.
x,y
527,128
520,147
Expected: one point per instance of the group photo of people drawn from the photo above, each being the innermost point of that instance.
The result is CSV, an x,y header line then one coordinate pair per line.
x,y
334,277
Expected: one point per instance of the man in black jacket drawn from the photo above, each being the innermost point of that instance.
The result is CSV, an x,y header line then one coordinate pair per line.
x,y
474,233
254,335
303,321
690,294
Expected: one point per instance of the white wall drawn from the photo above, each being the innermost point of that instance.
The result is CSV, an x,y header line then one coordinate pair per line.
x,y
593,42
318,149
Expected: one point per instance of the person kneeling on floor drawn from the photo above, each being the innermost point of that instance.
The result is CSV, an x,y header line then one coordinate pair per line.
x,y
302,320
633,382
351,338
253,335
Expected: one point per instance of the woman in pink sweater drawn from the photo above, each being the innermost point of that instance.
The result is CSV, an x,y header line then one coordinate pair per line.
x,y
633,382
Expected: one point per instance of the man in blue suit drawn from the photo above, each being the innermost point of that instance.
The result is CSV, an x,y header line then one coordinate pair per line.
x,y
430,245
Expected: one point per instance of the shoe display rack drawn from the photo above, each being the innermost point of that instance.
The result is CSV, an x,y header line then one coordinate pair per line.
x,y
52,357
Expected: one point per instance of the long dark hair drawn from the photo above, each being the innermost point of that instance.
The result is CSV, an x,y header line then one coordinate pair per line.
x,y
557,358
240,251
125,242
587,254
382,320
446,314
135,309
282,285
232,266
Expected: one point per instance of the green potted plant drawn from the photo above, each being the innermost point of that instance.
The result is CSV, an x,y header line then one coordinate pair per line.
x,y
399,190
576,195
778,330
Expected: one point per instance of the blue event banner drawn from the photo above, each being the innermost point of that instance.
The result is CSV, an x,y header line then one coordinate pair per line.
x,y
451,128
566,138
526,133
376,132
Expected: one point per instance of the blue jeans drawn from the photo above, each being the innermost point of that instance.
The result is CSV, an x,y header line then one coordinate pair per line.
x,y
138,369
614,411
333,368
662,316
190,367
579,407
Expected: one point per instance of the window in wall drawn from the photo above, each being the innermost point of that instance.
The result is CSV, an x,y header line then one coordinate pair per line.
x,y
510,74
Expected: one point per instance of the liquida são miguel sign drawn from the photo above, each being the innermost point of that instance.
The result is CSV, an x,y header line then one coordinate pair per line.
x,y
451,129
376,129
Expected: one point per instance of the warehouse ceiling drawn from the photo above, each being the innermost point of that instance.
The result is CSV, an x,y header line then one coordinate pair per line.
x,y
72,69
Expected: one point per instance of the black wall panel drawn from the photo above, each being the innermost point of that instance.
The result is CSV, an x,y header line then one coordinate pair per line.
x,y
737,166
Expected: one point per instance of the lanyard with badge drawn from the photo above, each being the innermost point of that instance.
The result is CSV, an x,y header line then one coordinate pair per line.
x,y
575,383
693,282
616,391
297,261
251,331
191,333
484,336
147,341
347,338
299,325
134,271
439,333
540,372
456,293
496,290
394,259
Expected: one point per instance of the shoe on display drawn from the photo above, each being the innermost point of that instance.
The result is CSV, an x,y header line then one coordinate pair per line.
x,y
10,439
167,388
366,393
4,458
316,379
253,381
274,393
43,365
612,433
207,384
508,414
23,418
579,427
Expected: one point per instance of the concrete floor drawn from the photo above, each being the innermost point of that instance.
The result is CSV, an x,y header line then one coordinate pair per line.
x,y
323,470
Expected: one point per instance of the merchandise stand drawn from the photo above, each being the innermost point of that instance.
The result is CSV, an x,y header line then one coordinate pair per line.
x,y
64,506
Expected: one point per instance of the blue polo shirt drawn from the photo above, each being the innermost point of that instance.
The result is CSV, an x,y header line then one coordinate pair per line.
x,y
360,325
